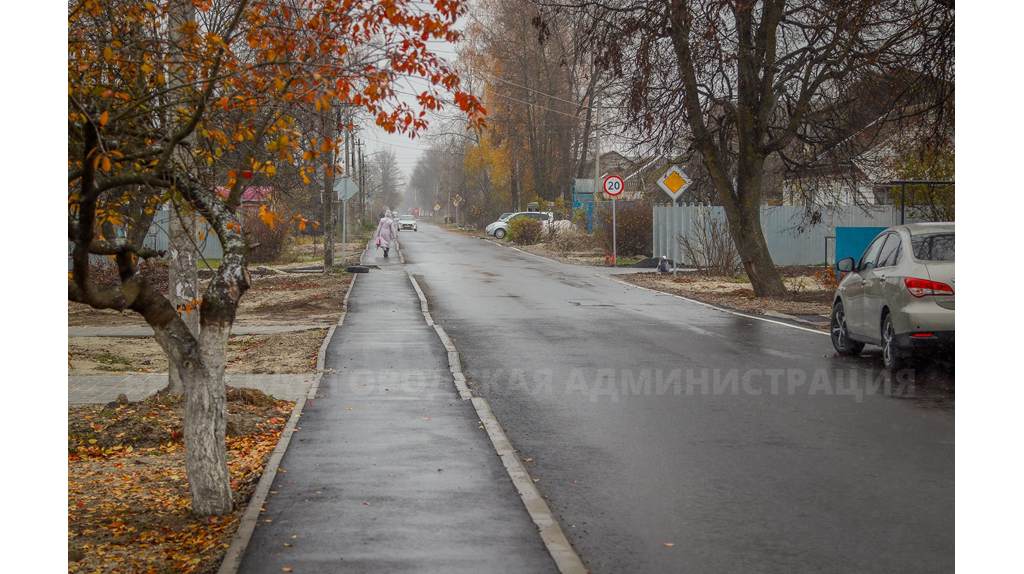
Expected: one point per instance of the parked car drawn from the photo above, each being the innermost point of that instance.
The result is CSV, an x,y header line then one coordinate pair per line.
x,y
500,228
406,222
899,295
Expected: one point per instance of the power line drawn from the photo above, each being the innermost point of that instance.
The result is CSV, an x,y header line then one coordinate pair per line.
x,y
511,83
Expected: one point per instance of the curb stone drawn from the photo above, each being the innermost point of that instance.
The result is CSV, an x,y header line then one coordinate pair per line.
x,y
566,559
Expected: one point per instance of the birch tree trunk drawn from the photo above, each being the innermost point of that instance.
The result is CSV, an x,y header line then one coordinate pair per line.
x,y
183,260
182,281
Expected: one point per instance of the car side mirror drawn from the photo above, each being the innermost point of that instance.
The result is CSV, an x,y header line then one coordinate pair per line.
x,y
845,265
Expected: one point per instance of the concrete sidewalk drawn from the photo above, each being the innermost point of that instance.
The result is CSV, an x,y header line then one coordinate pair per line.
x,y
389,470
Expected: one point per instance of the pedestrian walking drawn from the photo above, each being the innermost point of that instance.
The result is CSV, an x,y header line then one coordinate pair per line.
x,y
386,232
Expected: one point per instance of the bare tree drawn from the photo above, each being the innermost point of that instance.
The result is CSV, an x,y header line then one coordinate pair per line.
x,y
539,81
740,81
385,181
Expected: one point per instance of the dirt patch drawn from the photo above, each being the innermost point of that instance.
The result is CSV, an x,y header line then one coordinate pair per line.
x,y
278,353
280,299
805,297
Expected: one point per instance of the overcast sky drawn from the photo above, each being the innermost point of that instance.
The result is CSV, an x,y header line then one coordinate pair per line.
x,y
407,150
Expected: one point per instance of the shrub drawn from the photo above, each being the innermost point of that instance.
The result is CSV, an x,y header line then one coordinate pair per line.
x,y
525,230
572,240
710,249
634,227
828,281
579,219
268,242
560,207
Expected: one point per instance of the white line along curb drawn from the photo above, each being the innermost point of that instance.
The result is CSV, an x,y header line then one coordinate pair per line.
x,y
710,306
554,539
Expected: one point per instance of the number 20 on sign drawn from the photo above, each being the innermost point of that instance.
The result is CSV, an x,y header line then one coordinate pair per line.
x,y
613,185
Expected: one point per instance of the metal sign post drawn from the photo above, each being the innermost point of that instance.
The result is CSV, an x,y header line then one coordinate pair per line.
x,y
613,186
458,200
346,189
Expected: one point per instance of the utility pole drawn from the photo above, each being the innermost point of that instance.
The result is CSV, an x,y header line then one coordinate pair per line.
x,y
344,202
357,152
328,197
597,145
362,182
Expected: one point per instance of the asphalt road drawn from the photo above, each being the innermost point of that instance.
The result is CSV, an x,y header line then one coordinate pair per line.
x,y
669,436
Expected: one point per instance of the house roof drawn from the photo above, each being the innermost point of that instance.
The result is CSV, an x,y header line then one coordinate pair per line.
x,y
250,194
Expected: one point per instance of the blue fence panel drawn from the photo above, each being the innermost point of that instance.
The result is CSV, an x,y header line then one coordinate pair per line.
x,y
852,241
589,207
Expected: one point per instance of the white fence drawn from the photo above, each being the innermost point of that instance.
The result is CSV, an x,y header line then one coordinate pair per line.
x,y
158,238
795,236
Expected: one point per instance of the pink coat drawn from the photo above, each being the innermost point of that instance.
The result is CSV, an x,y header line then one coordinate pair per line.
x,y
386,232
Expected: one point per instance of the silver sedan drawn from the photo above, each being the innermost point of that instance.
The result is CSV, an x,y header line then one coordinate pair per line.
x,y
899,295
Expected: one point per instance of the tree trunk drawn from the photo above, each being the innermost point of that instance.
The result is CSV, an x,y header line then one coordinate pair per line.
x,y
747,235
183,268
742,196
200,362
206,427
183,282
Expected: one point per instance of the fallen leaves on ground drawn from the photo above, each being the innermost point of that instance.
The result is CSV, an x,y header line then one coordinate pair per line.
x,y
128,503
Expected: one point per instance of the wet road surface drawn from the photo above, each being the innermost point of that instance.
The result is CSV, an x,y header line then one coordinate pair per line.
x,y
669,436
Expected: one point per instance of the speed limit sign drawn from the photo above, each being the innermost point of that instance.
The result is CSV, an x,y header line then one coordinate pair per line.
x,y
613,185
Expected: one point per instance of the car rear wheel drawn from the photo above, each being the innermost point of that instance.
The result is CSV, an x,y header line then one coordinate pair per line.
x,y
840,334
892,356
499,233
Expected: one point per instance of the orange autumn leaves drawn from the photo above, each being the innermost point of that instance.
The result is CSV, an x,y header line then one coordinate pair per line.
x,y
128,503
232,82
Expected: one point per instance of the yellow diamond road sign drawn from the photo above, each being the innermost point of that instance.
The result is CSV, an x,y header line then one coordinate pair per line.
x,y
674,182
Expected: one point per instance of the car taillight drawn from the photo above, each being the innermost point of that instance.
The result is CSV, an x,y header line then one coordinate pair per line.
x,y
923,287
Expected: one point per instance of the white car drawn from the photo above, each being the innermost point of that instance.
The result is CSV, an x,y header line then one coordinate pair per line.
x,y
500,228
406,222
899,295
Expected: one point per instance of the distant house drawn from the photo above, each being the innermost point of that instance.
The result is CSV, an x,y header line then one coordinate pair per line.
x,y
847,153
854,171
253,197
639,174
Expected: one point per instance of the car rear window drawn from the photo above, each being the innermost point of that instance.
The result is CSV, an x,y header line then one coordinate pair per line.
x,y
934,246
